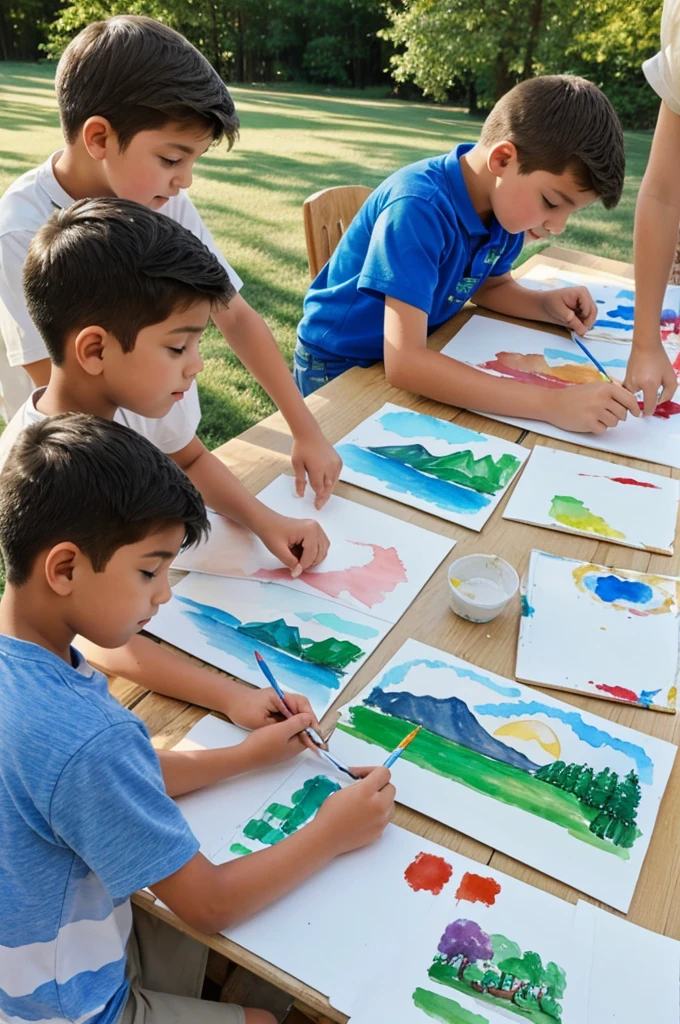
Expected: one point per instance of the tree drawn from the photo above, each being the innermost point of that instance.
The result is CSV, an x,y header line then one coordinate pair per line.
x,y
551,772
602,787
465,940
584,783
504,948
624,800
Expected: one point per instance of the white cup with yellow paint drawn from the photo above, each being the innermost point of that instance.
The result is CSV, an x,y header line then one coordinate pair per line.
x,y
480,586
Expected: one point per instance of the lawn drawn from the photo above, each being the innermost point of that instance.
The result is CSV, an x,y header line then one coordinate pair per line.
x,y
293,142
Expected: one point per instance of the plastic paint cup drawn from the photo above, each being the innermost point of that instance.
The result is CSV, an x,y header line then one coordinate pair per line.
x,y
480,586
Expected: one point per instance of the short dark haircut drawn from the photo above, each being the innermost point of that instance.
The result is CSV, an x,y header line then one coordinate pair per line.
x,y
140,75
559,123
118,265
93,482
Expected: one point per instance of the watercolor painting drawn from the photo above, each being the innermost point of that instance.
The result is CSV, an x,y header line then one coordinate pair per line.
x,y
312,646
440,467
293,805
564,791
548,361
610,633
376,563
615,299
576,494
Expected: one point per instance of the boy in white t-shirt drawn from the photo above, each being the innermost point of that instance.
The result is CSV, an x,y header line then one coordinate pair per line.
x,y
138,106
657,219
121,295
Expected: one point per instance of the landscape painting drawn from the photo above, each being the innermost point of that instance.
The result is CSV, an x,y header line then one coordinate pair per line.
x,y
610,633
555,362
312,646
576,494
566,792
435,465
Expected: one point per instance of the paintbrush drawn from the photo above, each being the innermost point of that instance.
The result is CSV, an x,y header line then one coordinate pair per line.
x,y
398,751
598,366
312,733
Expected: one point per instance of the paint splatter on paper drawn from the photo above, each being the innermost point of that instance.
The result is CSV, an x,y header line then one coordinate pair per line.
x,y
627,480
629,591
477,889
573,513
428,872
645,698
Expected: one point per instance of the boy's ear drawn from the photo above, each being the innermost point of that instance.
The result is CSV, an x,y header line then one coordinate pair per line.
x,y
500,157
59,566
89,349
98,136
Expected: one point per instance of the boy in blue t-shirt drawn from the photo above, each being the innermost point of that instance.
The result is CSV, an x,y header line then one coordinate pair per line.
x,y
91,516
448,229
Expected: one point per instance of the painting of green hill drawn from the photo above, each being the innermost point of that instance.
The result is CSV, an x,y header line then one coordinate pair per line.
x,y
331,652
485,474
493,778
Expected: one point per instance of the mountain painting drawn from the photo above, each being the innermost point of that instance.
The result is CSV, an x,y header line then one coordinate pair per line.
x,y
312,645
564,791
457,474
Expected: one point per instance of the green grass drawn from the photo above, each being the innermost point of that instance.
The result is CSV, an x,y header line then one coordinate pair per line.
x,y
444,977
294,141
496,779
446,1010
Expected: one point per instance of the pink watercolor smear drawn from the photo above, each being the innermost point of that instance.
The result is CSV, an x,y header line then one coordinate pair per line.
x,y
369,584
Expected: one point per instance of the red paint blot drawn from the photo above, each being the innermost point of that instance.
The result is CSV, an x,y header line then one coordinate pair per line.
x,y
624,480
665,410
369,584
428,872
620,692
476,889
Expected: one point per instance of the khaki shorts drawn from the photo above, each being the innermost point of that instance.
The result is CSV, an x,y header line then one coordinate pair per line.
x,y
166,970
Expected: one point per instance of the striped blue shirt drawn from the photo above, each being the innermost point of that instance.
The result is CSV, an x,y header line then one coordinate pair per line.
x,y
85,821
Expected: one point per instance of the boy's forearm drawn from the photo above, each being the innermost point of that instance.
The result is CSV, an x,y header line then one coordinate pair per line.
x,y
187,770
153,667
220,489
510,298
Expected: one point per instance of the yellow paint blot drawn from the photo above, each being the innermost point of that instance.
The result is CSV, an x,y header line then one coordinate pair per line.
x,y
454,582
533,730
672,697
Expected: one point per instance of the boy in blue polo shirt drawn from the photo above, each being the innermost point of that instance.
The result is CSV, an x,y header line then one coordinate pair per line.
x,y
448,229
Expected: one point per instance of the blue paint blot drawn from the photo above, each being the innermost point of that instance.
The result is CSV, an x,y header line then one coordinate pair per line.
x,y
402,479
626,293
611,588
590,734
332,621
646,698
407,423
395,676
527,610
622,312
613,323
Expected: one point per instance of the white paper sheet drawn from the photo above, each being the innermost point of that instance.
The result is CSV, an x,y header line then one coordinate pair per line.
x,y
502,349
647,964
474,764
610,633
316,631
574,494
440,467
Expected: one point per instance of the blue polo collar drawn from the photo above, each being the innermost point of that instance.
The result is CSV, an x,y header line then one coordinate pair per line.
x,y
460,197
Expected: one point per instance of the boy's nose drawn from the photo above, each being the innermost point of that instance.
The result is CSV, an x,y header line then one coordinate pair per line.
x,y
183,179
194,366
164,593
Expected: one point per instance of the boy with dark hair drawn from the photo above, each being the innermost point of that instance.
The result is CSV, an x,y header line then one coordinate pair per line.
x,y
139,105
448,229
121,295
91,516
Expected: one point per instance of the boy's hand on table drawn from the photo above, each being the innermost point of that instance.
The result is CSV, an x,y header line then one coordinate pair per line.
x,y
649,369
298,543
573,308
358,814
591,408
251,709
315,459
276,743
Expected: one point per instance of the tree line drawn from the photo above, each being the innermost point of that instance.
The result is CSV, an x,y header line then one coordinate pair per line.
x,y
456,51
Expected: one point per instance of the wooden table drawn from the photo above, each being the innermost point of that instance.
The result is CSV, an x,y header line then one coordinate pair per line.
x,y
261,454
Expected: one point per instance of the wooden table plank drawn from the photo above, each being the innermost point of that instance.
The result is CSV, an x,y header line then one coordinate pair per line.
x,y
262,453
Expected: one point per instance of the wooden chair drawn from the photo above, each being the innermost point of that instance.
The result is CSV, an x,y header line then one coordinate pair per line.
x,y
327,215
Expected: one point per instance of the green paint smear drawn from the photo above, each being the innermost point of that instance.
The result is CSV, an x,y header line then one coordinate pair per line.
x,y
331,653
240,849
573,513
501,781
483,474
305,802
443,1009
445,975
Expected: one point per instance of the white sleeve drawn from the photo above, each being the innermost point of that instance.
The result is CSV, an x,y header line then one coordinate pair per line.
x,y
181,209
663,70
19,333
173,432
